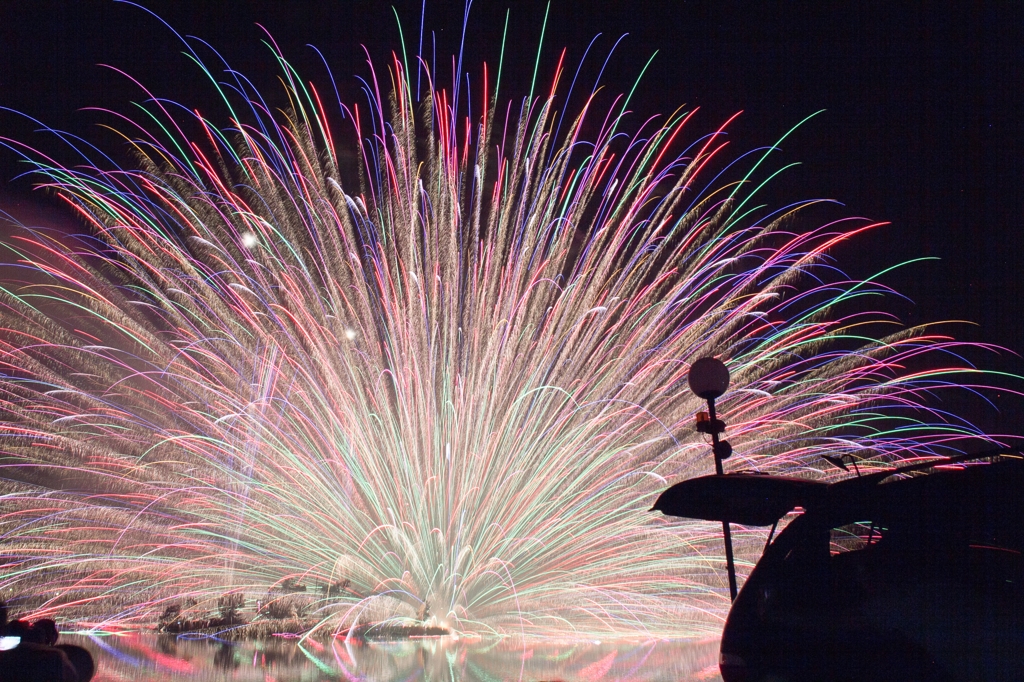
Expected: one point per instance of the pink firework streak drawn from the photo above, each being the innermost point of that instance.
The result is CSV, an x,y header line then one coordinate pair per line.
x,y
441,383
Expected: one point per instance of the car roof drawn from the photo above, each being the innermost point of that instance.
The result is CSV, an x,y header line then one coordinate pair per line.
x,y
760,500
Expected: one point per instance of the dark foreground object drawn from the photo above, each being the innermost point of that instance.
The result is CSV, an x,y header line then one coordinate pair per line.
x,y
910,577
37,656
41,663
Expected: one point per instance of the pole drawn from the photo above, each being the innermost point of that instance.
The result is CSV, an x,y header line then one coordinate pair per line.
x,y
726,531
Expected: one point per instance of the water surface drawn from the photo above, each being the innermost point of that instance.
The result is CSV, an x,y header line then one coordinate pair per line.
x,y
146,656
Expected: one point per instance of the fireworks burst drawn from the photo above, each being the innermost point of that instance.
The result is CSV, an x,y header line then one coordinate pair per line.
x,y
451,383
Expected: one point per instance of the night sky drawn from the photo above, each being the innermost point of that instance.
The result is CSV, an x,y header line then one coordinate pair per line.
x,y
922,122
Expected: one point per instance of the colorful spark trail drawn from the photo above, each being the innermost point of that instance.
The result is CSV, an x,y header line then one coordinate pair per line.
x,y
457,377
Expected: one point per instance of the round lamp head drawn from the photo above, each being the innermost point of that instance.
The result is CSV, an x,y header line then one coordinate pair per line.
x,y
708,378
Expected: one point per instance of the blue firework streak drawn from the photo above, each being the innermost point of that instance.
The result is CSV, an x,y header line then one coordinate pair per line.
x,y
456,378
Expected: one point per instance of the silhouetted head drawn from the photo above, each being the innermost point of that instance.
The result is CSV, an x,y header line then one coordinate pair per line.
x,y
23,629
47,629
3,617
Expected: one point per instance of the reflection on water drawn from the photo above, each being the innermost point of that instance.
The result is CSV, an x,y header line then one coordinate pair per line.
x,y
145,656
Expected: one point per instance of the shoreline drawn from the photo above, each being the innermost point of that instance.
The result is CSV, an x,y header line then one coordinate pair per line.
x,y
289,628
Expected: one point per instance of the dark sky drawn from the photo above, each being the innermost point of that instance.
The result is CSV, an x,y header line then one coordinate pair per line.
x,y
923,103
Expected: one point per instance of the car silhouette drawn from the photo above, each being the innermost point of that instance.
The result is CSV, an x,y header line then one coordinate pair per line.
x,y
913,573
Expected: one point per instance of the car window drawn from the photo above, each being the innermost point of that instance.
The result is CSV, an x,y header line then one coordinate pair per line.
x,y
854,537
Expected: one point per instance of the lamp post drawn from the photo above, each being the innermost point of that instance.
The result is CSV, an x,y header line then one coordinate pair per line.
x,y
709,379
